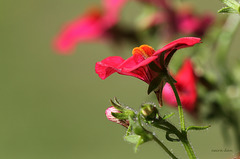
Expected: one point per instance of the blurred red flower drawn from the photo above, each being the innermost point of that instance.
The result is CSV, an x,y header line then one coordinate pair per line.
x,y
186,87
190,23
93,25
176,21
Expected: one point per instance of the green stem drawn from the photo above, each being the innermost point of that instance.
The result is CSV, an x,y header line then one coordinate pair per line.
x,y
183,136
164,147
156,139
188,148
180,110
225,38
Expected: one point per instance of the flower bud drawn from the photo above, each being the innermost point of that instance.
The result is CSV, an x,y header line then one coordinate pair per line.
x,y
149,111
112,118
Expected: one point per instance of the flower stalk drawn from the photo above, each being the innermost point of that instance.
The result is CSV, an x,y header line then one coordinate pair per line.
x,y
183,137
157,140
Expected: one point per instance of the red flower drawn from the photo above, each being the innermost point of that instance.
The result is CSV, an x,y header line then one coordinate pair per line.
x,y
93,25
186,87
138,64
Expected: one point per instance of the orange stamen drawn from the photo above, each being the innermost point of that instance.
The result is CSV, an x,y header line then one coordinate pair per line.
x,y
143,50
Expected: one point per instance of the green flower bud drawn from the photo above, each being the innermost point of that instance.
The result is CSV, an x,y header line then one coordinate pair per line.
x,y
149,111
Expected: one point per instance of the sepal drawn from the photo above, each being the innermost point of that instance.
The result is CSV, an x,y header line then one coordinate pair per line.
x,y
166,116
125,112
155,83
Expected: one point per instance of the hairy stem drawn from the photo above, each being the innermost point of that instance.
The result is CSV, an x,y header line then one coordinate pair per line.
x,y
180,110
183,136
164,147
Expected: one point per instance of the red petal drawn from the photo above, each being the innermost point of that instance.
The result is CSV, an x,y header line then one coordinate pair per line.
x,y
108,66
178,44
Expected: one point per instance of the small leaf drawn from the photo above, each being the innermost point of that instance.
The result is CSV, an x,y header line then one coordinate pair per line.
x,y
232,4
134,139
155,83
169,138
167,116
136,134
197,127
121,116
158,92
116,105
227,10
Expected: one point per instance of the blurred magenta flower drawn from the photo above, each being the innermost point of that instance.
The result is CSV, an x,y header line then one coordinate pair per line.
x,y
138,64
186,87
93,25
190,23
110,117
176,21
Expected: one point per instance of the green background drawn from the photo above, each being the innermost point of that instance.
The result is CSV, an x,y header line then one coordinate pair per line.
x,y
52,106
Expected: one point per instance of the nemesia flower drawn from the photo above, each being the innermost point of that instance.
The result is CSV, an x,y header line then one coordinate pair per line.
x,y
137,65
93,25
189,23
110,117
179,21
186,87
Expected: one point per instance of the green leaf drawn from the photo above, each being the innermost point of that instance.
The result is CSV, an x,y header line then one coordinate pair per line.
x,y
167,116
125,111
155,83
121,116
197,127
227,10
116,104
232,4
134,139
136,134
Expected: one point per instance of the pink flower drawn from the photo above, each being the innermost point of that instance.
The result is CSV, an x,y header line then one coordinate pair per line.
x,y
93,25
138,64
186,87
190,23
179,21
110,117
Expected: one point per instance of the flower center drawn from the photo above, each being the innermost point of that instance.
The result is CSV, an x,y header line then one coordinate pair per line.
x,y
144,50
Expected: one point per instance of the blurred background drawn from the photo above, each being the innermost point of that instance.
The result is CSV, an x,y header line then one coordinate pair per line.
x,y
52,106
